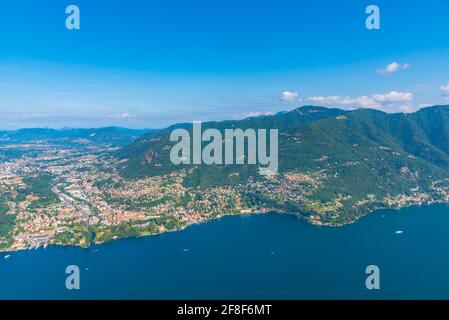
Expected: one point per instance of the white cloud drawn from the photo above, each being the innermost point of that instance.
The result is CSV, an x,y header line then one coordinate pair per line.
x,y
392,68
257,114
349,102
445,91
393,96
393,101
124,115
289,96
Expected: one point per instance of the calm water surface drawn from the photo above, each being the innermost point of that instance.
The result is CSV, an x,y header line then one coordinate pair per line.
x,y
250,257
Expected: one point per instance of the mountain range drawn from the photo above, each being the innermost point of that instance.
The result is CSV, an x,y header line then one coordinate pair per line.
x,y
363,156
334,165
115,136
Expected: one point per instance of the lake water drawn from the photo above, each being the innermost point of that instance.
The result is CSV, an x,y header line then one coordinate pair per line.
x,y
250,257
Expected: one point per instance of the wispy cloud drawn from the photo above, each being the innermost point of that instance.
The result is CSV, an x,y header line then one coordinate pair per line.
x,y
391,102
445,91
289,96
124,115
424,105
393,96
392,68
348,102
257,114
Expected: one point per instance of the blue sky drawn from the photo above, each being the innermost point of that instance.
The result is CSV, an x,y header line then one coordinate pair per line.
x,y
153,63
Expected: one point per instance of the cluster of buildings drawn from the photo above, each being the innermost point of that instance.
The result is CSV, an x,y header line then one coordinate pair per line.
x,y
90,196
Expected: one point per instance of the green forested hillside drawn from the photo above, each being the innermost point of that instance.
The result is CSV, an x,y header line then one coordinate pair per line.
x,y
361,153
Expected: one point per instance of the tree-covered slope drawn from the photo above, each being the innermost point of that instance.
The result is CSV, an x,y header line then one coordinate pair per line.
x,y
359,155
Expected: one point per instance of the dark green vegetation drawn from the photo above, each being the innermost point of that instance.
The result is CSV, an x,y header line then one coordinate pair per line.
x,y
132,229
362,154
40,187
3,207
7,222
150,154
75,235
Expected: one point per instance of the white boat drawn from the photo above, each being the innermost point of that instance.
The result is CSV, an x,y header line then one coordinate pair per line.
x,y
399,232
7,256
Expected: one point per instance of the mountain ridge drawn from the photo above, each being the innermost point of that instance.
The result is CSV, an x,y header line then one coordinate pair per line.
x,y
362,155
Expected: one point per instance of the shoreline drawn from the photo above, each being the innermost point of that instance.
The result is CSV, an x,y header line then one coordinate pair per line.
x,y
258,212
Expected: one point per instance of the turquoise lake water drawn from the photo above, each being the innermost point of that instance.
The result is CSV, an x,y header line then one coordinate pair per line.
x,y
250,257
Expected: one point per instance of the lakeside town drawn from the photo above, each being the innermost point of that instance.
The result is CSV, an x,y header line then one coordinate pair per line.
x,y
71,194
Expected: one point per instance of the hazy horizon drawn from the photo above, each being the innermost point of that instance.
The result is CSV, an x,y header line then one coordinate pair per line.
x,y
220,120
